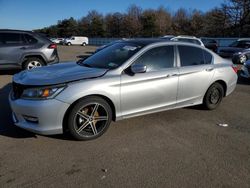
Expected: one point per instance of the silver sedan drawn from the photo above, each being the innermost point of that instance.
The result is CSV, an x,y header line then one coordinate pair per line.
x,y
127,79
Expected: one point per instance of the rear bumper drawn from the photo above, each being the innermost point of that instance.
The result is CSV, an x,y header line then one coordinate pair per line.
x,y
231,87
245,72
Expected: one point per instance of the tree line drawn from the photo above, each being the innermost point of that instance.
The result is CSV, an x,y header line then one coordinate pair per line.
x,y
230,19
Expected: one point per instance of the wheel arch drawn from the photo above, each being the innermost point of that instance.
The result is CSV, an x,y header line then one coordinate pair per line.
x,y
108,100
40,56
221,82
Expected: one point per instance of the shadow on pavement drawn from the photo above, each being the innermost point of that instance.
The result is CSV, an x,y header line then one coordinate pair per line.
x,y
7,127
9,72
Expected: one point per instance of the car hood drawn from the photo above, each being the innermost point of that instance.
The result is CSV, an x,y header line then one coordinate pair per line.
x,y
57,74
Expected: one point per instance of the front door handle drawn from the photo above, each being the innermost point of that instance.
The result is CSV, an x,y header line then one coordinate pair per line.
x,y
23,48
209,69
170,75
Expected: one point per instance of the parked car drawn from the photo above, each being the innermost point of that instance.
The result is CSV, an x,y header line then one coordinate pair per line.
x,y
25,50
245,70
167,37
124,80
76,40
210,44
57,40
239,51
241,57
189,39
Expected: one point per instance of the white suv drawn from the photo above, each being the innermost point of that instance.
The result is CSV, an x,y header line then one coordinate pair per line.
x,y
190,39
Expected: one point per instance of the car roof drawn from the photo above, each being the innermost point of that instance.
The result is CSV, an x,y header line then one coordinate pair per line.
x,y
186,36
244,39
146,42
143,42
15,30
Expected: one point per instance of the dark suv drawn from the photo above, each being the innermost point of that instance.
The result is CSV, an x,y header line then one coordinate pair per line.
x,y
25,50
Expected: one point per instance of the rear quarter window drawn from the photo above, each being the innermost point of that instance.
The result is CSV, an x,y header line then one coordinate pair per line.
x,y
207,57
30,39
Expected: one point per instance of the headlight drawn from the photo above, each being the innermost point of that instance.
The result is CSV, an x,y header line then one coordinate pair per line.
x,y
42,93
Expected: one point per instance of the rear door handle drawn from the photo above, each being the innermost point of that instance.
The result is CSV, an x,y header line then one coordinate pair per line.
x,y
23,48
209,69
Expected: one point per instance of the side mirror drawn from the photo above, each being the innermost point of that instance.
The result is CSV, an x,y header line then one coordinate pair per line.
x,y
138,68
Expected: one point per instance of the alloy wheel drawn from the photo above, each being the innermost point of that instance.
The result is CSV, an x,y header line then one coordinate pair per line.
x,y
90,120
33,64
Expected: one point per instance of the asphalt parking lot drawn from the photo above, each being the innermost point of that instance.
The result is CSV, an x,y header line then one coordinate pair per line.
x,y
177,148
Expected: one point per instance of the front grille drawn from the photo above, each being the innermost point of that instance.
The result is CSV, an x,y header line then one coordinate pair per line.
x,y
17,90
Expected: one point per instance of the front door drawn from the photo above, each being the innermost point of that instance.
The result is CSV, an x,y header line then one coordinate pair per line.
x,y
154,90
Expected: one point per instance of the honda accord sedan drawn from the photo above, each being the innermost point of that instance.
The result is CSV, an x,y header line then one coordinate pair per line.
x,y
127,79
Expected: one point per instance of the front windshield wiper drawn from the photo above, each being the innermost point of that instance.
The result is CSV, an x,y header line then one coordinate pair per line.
x,y
80,62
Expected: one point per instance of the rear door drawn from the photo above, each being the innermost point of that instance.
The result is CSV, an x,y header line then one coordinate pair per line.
x,y
12,46
195,74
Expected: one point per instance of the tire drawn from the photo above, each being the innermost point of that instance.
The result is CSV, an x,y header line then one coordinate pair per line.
x,y
213,96
33,62
69,44
89,118
242,59
84,44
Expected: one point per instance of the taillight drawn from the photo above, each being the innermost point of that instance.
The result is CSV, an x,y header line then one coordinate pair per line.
x,y
235,68
52,46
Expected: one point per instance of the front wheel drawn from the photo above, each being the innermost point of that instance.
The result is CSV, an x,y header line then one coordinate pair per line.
x,y
213,96
33,62
89,118
69,44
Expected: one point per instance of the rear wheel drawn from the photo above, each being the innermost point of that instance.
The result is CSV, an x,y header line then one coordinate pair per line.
x,y
89,118
213,96
33,62
84,44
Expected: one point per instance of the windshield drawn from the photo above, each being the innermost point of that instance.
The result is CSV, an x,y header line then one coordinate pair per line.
x,y
112,56
234,44
189,40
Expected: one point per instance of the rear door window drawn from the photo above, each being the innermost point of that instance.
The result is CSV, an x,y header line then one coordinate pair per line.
x,y
190,56
12,38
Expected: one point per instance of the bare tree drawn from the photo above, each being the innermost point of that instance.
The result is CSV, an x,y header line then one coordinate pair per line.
x,y
181,22
238,12
163,21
